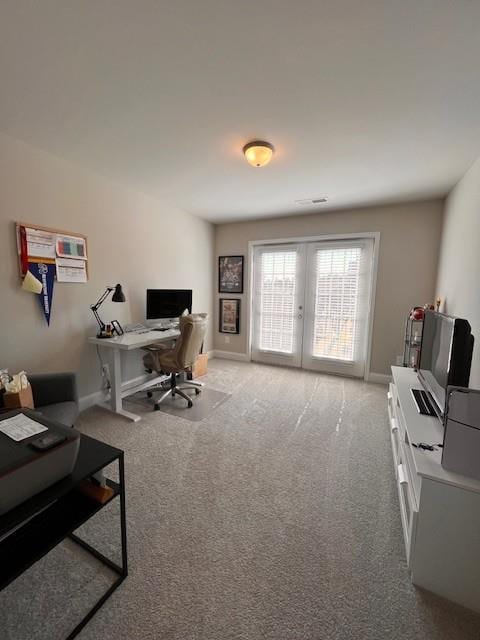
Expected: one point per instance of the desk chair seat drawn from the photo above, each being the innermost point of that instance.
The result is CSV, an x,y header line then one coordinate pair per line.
x,y
180,359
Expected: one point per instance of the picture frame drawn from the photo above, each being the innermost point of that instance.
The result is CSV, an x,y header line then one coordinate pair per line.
x,y
229,315
230,274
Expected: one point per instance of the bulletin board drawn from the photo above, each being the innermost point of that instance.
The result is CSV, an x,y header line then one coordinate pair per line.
x,y
66,250
46,256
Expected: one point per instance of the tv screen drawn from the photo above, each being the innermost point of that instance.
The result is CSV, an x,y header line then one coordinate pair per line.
x,y
168,303
446,354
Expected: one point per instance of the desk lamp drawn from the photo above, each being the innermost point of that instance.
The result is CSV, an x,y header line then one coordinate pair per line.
x,y
108,330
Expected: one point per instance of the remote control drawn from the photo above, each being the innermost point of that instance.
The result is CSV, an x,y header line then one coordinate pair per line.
x,y
47,441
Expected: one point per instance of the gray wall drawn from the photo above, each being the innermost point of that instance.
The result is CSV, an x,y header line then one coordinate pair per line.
x,y
459,264
409,245
132,239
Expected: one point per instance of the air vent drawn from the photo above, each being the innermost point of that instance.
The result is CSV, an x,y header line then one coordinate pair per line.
x,y
310,201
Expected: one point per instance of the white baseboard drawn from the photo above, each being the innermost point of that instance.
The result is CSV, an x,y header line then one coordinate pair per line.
x,y
379,378
230,355
97,397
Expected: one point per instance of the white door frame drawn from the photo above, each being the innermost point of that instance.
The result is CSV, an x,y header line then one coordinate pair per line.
x,y
375,235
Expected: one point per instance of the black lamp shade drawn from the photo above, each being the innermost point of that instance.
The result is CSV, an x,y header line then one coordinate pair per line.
x,y
118,295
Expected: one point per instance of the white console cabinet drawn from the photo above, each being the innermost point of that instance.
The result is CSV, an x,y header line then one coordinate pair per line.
x,y
440,510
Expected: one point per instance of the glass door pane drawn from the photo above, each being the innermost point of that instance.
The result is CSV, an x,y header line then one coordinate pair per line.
x,y
337,306
335,312
278,304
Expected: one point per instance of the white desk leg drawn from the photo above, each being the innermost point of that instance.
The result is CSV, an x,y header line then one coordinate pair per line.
x,y
116,388
116,381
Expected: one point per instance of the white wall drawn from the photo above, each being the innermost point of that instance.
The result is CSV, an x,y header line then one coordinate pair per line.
x,y
407,268
459,263
132,239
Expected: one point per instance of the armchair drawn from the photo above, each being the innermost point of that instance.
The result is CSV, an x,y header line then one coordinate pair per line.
x,y
55,396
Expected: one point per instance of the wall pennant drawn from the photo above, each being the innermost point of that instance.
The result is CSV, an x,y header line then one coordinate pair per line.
x,y
45,273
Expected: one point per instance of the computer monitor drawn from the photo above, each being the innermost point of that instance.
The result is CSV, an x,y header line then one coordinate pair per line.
x,y
445,355
167,305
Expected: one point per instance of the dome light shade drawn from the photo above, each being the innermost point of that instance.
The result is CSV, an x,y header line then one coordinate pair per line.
x,y
258,153
118,295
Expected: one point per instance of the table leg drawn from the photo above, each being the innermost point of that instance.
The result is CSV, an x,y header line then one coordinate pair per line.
x,y
120,570
116,389
123,514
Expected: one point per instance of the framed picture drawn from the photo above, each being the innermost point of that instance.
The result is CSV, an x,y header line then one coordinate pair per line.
x,y
230,274
229,315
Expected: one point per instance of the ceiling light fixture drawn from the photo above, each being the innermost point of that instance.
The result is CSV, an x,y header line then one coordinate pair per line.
x,y
258,153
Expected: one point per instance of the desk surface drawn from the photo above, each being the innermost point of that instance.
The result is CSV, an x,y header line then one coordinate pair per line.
x,y
130,341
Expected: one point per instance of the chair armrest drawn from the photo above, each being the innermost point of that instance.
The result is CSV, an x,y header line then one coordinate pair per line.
x,y
49,388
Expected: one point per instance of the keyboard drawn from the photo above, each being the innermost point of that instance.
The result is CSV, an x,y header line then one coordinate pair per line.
x,y
423,402
136,328
167,332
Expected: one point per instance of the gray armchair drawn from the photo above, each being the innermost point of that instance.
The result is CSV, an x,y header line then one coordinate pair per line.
x,y
55,396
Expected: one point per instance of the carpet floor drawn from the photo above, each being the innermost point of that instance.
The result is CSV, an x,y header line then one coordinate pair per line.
x,y
275,518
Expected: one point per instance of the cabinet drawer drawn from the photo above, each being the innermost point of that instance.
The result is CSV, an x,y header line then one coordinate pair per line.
x,y
408,510
412,476
393,424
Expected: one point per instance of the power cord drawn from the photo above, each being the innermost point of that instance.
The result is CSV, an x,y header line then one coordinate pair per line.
x,y
427,447
103,372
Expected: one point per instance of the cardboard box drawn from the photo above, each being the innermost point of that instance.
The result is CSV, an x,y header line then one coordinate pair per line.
x,y
23,398
200,366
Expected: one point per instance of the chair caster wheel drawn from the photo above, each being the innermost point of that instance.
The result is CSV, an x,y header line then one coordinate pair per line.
x,y
156,407
197,392
149,394
190,405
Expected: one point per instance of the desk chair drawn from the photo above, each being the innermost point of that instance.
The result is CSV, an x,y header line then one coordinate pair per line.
x,y
180,359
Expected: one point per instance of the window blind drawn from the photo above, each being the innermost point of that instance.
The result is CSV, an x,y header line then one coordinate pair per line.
x,y
336,310
277,290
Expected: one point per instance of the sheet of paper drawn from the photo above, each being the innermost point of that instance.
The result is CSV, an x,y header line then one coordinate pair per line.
x,y
20,427
40,244
71,247
31,283
70,270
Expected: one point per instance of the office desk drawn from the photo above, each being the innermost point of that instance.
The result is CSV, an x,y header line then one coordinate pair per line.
x,y
129,342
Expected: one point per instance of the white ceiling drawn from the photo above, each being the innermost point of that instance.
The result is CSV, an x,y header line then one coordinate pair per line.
x,y
365,101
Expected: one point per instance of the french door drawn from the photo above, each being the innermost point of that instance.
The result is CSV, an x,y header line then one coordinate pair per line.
x,y
311,305
278,300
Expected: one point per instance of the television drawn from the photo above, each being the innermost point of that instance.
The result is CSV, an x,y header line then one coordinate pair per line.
x,y
167,304
445,355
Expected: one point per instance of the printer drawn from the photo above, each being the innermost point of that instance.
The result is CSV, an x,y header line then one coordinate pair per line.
x,y
461,445
25,471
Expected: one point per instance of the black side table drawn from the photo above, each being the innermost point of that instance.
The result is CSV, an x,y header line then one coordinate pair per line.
x,y
42,522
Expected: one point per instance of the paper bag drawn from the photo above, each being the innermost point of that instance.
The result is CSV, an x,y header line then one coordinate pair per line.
x,y
19,399
200,366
